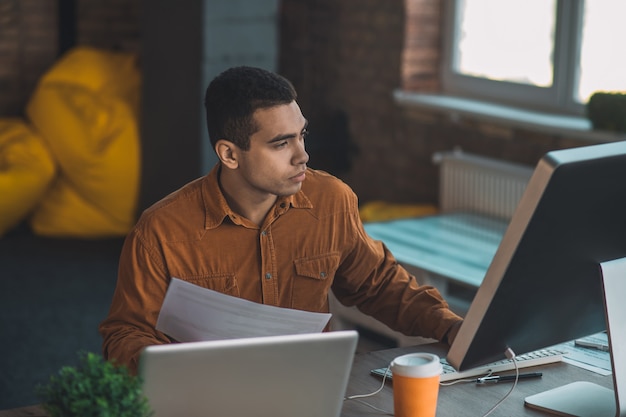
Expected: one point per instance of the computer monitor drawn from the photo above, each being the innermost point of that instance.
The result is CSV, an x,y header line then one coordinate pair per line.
x,y
545,283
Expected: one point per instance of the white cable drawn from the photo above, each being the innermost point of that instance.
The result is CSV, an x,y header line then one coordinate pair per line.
x,y
510,355
352,397
358,396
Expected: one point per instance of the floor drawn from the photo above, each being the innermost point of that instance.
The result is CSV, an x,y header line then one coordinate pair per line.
x,y
53,294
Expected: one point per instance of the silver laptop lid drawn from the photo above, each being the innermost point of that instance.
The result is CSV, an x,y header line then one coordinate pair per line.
x,y
278,376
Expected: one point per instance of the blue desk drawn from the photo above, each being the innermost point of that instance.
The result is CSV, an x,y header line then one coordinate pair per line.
x,y
450,251
456,246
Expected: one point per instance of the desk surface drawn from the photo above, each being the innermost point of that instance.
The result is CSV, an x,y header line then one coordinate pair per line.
x,y
464,399
457,400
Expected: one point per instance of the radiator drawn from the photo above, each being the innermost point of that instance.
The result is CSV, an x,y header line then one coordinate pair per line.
x,y
479,184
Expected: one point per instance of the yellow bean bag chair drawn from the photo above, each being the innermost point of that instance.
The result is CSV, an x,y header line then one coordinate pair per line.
x,y
86,109
26,171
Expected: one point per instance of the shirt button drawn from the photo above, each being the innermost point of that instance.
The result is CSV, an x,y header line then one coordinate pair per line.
x,y
323,274
283,205
264,233
268,275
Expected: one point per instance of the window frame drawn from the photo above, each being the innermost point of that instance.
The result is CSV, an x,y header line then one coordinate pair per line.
x,y
558,98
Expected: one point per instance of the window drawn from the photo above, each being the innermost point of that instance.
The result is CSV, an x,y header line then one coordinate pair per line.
x,y
547,55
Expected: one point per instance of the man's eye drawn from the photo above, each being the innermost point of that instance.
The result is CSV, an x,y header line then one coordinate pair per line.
x,y
305,133
282,144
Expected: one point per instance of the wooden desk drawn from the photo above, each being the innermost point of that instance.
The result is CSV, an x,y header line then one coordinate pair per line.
x,y
464,399
467,399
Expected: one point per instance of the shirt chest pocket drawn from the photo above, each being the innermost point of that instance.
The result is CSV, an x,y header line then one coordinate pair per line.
x,y
226,283
314,276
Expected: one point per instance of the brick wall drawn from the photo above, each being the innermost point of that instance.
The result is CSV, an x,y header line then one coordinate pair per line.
x,y
28,45
348,57
421,54
29,40
108,24
345,58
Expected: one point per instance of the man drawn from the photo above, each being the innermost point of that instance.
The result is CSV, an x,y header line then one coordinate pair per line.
x,y
264,227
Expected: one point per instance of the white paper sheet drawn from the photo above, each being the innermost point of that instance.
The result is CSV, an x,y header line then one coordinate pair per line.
x,y
593,360
191,313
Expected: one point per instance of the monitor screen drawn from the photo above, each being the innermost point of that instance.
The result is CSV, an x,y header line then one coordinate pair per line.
x,y
544,285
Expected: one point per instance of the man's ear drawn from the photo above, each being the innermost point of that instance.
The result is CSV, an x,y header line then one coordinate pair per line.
x,y
227,153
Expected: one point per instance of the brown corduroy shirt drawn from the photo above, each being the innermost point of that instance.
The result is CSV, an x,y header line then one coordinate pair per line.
x,y
309,243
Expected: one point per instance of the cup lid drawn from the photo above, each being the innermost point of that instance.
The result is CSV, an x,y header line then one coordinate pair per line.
x,y
419,364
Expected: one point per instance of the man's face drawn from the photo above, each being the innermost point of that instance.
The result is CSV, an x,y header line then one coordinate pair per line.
x,y
276,161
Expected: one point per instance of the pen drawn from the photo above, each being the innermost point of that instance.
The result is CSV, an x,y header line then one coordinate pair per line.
x,y
496,378
592,345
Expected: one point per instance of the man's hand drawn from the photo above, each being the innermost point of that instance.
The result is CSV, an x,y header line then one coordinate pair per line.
x,y
452,332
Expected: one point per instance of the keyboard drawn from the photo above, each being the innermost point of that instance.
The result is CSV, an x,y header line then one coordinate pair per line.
x,y
538,357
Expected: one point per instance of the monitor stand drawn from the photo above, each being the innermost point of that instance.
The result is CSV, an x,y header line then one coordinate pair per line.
x,y
585,399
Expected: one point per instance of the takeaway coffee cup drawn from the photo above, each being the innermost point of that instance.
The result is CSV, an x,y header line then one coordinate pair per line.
x,y
415,384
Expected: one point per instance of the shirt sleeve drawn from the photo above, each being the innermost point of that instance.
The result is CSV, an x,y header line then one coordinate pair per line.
x,y
371,279
139,293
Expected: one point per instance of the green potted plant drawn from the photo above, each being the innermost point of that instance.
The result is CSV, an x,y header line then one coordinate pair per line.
x,y
607,111
94,388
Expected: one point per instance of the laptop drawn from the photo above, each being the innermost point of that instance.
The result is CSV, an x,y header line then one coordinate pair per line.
x,y
275,376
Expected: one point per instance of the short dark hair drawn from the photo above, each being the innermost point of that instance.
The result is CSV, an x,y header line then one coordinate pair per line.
x,y
234,95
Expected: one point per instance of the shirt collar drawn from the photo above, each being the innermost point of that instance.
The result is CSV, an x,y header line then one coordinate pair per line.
x,y
216,208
